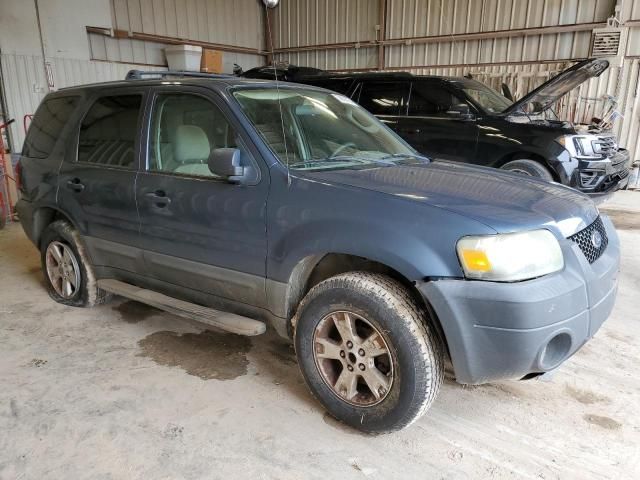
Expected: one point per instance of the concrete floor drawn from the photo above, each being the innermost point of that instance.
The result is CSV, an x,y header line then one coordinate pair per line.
x,y
126,391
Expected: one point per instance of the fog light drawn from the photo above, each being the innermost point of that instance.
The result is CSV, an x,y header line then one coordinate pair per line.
x,y
556,351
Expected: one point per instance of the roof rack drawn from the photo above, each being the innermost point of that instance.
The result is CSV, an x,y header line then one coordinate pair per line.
x,y
141,74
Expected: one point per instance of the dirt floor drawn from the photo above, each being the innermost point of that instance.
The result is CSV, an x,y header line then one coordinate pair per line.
x,y
127,391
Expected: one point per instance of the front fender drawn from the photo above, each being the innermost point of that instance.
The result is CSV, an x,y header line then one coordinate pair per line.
x,y
501,141
310,218
402,251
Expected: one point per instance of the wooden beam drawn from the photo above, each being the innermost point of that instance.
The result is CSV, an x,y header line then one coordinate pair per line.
x,y
485,64
328,46
458,37
148,37
516,32
459,65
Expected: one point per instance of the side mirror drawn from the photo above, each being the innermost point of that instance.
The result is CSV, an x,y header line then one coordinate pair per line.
x,y
460,110
536,106
226,163
506,92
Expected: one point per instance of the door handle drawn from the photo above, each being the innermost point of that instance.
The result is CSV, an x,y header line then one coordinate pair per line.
x,y
159,198
413,130
75,185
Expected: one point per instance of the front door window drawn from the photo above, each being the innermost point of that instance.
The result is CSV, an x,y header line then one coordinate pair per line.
x,y
428,99
185,130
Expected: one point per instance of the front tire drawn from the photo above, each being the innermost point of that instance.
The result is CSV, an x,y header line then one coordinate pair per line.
x,y
367,351
529,168
68,274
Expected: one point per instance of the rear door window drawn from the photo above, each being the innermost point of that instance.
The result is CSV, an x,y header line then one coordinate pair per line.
x,y
50,118
385,98
430,99
108,131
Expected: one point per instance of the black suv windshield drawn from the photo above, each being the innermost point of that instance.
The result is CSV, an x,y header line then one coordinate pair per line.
x,y
319,130
490,100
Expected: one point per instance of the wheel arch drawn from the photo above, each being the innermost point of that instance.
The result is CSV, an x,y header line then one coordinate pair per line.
x,y
528,155
45,216
314,269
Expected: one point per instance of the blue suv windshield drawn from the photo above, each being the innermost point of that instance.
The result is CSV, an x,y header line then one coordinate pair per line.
x,y
309,129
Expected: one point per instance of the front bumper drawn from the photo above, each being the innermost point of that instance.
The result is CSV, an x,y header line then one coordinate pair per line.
x,y
602,177
509,330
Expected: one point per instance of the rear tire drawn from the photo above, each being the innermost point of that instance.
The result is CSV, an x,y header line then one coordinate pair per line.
x,y
361,330
529,168
68,274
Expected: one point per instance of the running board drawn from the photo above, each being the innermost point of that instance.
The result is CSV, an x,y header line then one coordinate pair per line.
x,y
229,322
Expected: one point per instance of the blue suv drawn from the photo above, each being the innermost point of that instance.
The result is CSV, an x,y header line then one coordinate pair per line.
x,y
243,202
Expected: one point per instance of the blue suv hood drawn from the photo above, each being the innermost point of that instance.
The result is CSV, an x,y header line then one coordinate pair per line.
x,y
503,201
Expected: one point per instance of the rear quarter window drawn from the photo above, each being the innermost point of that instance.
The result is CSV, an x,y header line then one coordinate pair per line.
x,y
47,124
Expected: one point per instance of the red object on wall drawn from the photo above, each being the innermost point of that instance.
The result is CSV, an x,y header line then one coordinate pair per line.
x,y
5,206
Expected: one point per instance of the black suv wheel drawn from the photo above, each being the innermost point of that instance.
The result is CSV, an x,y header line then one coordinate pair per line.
x,y
530,168
367,352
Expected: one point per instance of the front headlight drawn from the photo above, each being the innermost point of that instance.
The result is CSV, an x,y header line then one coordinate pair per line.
x,y
579,146
510,257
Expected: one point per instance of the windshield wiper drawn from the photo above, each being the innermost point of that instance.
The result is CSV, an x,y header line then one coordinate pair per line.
x,y
406,155
340,159
385,160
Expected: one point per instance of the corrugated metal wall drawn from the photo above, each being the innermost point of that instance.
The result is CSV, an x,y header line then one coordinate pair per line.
x,y
339,59
315,22
25,83
469,16
629,129
237,22
325,22
491,60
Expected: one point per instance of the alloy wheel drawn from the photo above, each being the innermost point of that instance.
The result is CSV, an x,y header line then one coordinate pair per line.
x,y
62,269
353,358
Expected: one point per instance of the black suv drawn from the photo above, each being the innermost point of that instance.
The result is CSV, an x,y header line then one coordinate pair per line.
x,y
238,202
463,120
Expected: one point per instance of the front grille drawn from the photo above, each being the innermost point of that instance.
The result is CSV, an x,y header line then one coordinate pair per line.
x,y
605,145
585,240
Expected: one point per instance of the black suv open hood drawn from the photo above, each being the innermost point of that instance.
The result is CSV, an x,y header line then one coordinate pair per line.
x,y
549,92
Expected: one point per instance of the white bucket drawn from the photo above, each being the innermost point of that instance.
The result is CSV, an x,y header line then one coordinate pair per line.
x,y
184,58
